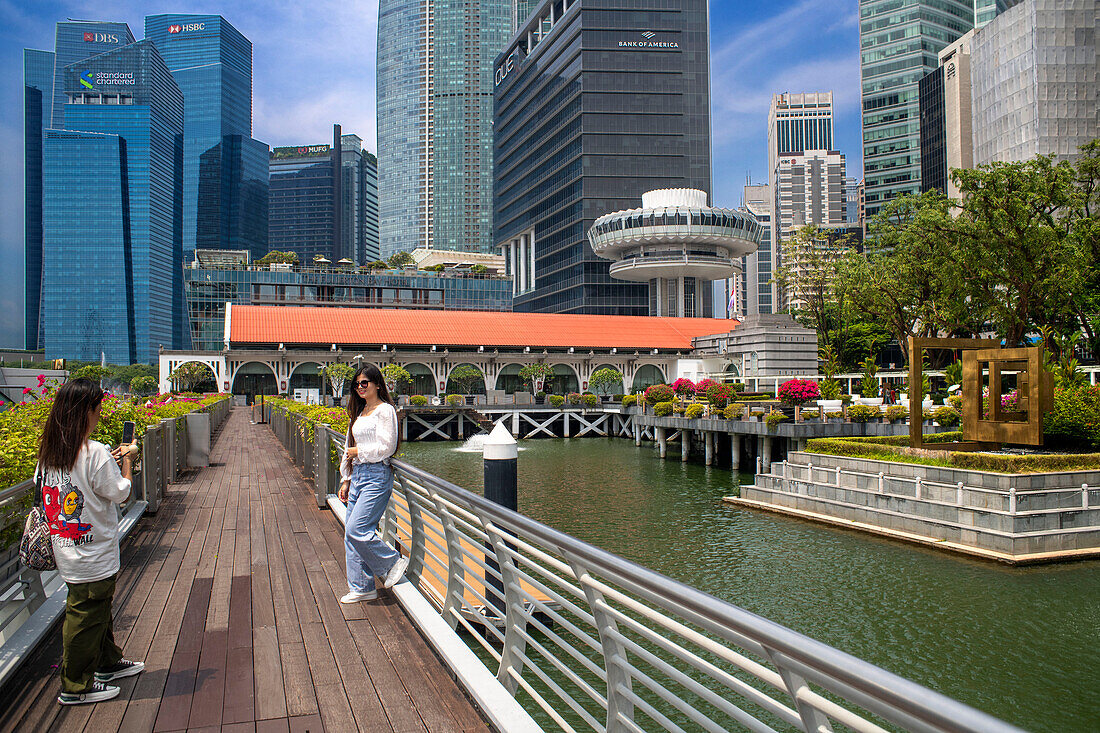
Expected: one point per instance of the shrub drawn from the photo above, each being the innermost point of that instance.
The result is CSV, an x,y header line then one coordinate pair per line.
x,y
894,413
557,400
574,398
811,414
702,386
798,391
418,400
830,389
658,393
834,414
590,400
1075,420
868,386
734,411
629,400
946,416
773,419
617,397
662,409
926,415
862,413
719,395
693,412
846,399
956,401
683,387
454,400
677,409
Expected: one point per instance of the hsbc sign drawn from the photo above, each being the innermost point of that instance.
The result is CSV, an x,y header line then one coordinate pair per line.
x,y
186,27
100,38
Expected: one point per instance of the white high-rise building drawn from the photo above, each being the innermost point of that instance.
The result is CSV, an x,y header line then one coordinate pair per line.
x,y
798,122
757,291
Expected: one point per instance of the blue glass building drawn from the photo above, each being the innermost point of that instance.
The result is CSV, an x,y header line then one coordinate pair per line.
x,y
44,99
112,204
435,117
37,103
224,169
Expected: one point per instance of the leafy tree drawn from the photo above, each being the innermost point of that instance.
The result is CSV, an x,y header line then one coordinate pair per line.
x,y
868,386
537,372
143,385
127,374
400,259
187,376
337,375
378,265
395,375
603,380
808,275
465,376
479,269
276,257
93,372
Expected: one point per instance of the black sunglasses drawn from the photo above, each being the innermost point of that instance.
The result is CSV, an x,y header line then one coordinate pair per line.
x,y
361,384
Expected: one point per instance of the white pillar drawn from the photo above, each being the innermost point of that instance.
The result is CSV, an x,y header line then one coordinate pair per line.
x,y
514,262
685,444
530,237
735,451
708,437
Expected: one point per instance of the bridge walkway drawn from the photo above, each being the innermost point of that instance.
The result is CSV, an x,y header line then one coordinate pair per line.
x,y
229,595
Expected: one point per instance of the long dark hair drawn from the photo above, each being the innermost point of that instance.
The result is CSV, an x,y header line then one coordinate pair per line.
x,y
356,403
69,423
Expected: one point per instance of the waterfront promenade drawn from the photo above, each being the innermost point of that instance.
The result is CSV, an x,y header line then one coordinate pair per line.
x,y
229,595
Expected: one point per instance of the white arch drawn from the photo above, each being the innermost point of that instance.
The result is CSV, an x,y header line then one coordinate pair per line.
x,y
170,362
240,365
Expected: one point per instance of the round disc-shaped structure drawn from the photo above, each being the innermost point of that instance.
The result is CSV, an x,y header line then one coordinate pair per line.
x,y
681,237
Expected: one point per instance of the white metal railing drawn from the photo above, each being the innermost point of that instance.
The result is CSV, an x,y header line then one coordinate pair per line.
x,y
591,641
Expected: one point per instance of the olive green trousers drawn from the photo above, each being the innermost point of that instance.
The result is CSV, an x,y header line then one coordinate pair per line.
x,y
87,635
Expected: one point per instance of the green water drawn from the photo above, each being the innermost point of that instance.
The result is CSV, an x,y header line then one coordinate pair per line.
x,y
1021,644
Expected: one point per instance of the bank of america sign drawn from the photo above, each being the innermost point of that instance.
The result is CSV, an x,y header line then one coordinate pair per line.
x,y
648,42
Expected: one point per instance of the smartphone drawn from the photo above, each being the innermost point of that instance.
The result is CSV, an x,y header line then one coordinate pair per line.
x,y
128,432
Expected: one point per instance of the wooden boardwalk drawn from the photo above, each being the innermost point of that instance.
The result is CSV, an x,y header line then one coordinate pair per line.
x,y
229,596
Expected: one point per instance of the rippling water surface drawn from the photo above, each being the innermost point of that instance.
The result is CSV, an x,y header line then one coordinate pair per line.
x,y
1022,644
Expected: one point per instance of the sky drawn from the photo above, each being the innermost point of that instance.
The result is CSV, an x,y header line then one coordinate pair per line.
x,y
314,64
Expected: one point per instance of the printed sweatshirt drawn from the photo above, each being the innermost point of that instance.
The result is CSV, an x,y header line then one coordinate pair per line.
x,y
83,518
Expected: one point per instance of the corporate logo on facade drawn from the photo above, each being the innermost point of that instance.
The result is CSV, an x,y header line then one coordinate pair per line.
x,y
90,79
648,42
100,38
301,151
186,27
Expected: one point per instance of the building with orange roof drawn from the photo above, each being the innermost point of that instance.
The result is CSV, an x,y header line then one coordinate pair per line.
x,y
281,349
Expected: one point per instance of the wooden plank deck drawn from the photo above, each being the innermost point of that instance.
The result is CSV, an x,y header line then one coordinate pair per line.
x,y
229,596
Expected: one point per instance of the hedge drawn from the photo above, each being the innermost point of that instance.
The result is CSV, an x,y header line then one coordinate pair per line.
x,y
662,409
895,449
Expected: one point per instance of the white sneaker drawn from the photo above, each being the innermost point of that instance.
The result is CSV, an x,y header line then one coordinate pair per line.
x,y
124,668
355,596
98,693
396,573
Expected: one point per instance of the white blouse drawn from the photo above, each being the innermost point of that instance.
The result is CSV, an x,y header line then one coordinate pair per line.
x,y
375,438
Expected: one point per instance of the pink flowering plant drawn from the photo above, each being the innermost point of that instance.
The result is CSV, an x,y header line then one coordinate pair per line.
x,y
798,391
702,386
683,387
658,393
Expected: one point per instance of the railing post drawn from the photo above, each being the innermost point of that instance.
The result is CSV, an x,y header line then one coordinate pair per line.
x,y
1084,496
321,464
168,439
615,664
959,493
148,476
453,602
500,456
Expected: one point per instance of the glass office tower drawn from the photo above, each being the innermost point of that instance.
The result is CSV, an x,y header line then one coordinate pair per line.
x,y
224,169
638,76
435,116
75,40
111,211
899,44
37,103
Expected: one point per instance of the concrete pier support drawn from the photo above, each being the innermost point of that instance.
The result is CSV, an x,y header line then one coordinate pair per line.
x,y
735,452
685,445
708,442
461,427
565,424
661,442
637,432
766,452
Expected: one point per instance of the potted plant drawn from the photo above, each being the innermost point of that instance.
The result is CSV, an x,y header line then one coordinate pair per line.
x,y
862,413
896,413
868,386
773,418
829,388
946,416
808,415
835,417
540,397
796,392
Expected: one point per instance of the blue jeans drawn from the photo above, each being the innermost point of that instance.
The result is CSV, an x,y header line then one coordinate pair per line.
x,y
365,552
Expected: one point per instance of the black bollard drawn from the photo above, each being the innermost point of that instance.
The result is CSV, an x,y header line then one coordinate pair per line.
x,y
501,455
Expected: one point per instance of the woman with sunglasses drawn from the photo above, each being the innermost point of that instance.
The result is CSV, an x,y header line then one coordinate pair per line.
x,y
366,484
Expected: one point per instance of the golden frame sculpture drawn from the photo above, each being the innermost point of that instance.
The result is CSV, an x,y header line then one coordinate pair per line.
x,y
1034,385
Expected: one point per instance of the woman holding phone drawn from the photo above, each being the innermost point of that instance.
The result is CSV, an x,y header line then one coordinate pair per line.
x,y
81,484
366,485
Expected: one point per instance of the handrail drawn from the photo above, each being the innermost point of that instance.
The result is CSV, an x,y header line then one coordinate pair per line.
x,y
620,647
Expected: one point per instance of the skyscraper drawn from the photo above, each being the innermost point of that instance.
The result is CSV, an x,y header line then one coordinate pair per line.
x,y
435,116
641,85
898,46
115,171
224,169
44,100
310,203
758,289
798,122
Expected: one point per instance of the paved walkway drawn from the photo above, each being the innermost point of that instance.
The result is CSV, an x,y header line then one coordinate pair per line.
x,y
229,595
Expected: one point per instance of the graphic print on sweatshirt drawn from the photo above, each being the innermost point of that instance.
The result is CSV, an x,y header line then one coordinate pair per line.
x,y
63,505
